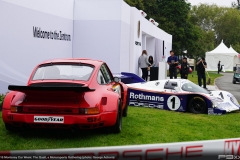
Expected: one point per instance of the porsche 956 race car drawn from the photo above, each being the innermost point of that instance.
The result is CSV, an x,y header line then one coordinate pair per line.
x,y
67,93
177,95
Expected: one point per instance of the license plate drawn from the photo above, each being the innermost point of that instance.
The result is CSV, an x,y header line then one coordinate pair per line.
x,y
48,119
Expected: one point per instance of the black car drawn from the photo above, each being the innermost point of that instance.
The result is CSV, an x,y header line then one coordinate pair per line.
x,y
236,75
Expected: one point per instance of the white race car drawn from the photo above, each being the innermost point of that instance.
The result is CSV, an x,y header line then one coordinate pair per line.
x,y
178,95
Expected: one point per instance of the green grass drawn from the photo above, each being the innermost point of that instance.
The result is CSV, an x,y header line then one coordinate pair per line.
x,y
194,78
142,126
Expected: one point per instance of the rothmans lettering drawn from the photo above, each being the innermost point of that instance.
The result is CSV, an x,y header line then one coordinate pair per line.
x,y
38,33
145,97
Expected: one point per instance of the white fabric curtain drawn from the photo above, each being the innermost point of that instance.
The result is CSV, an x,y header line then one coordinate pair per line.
x,y
212,62
158,51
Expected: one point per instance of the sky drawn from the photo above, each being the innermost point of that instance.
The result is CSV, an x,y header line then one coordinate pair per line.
x,y
226,3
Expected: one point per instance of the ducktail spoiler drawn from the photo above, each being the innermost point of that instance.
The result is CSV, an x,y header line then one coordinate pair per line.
x,y
25,89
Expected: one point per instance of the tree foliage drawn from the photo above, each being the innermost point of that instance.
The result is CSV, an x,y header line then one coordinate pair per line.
x,y
206,15
223,22
136,3
173,17
236,4
228,27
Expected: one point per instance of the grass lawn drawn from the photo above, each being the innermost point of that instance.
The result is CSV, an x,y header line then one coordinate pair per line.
x,y
213,75
142,126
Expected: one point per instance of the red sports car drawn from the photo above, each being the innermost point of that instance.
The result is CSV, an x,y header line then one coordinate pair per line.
x,y
67,93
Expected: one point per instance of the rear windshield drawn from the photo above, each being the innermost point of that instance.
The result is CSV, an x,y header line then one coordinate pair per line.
x,y
64,71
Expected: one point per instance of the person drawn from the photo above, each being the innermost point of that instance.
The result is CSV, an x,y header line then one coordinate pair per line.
x,y
201,65
151,61
172,62
184,69
143,64
151,64
219,67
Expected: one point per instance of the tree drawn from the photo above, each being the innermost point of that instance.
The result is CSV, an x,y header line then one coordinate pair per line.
x,y
136,3
173,17
236,47
206,15
228,27
204,43
236,4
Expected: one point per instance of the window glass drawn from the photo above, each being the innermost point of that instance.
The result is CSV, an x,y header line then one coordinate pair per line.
x,y
100,78
191,87
64,71
106,74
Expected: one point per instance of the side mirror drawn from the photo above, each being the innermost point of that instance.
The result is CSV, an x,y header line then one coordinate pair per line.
x,y
116,79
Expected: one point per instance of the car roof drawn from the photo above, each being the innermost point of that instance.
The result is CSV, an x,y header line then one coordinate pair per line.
x,y
74,60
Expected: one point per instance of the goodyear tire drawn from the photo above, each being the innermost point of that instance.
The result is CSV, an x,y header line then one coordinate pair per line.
x,y
197,105
118,125
125,111
234,81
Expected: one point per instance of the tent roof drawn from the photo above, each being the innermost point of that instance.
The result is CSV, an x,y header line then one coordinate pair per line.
x,y
232,50
221,48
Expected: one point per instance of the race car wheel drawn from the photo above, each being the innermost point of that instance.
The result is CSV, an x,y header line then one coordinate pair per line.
x,y
197,105
234,81
125,111
118,125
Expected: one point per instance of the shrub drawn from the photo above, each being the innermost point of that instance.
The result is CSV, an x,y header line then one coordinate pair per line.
x,y
1,100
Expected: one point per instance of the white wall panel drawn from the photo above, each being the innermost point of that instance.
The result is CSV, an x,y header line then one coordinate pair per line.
x,y
60,8
20,50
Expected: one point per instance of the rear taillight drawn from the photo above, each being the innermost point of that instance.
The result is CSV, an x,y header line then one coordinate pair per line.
x,y
88,111
16,109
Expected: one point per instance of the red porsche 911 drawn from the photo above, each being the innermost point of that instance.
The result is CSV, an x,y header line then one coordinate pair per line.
x,y
67,93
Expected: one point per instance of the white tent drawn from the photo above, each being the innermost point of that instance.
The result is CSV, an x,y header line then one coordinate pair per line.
x,y
237,59
227,56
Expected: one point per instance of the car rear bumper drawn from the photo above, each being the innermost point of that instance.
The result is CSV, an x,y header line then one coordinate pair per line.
x,y
59,121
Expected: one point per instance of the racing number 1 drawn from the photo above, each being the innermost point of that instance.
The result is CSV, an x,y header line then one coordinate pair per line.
x,y
173,102
220,94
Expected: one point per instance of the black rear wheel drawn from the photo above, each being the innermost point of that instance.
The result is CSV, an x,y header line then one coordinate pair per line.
x,y
234,81
125,111
197,105
118,125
